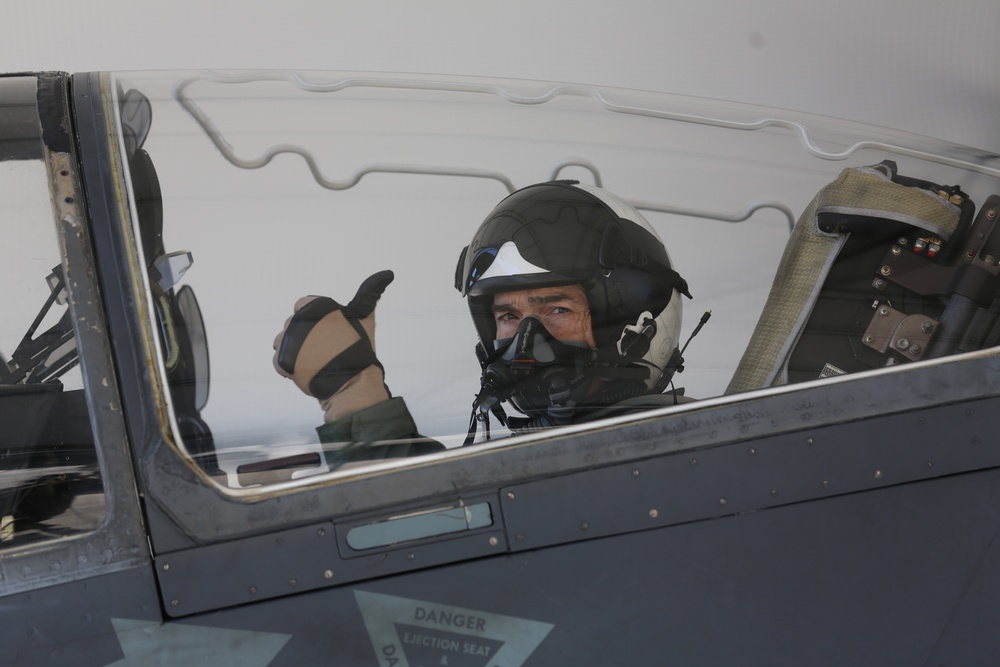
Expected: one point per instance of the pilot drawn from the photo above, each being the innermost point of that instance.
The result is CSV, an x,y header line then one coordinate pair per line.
x,y
576,304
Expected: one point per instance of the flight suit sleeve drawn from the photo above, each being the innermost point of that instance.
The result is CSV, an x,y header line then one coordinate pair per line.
x,y
385,430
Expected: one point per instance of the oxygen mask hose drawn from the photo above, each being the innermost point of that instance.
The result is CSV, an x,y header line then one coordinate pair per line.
x,y
495,387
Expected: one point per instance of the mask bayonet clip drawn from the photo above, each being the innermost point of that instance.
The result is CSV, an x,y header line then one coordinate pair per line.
x,y
635,338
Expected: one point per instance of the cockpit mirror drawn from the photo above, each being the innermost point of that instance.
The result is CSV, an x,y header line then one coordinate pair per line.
x,y
168,270
193,322
137,117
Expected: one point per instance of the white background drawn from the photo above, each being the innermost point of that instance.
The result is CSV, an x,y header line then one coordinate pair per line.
x,y
924,66
920,66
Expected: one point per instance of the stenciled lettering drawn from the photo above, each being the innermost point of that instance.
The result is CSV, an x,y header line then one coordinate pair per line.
x,y
475,649
453,620
431,641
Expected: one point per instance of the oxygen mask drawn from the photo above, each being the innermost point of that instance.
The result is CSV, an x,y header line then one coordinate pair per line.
x,y
541,376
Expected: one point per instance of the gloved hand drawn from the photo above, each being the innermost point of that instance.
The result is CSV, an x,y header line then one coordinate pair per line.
x,y
328,350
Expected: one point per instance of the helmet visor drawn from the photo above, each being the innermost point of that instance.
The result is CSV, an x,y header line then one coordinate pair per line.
x,y
544,235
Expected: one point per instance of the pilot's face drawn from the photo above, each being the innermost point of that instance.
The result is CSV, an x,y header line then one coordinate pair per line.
x,y
563,310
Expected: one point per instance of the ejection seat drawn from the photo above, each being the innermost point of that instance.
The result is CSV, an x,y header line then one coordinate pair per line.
x,y
880,269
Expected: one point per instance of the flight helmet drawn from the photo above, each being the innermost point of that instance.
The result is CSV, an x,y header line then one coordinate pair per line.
x,y
564,233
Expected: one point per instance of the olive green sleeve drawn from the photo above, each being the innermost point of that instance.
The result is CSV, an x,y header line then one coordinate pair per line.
x,y
382,431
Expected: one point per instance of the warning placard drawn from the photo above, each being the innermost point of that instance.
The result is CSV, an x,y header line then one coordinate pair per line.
x,y
416,633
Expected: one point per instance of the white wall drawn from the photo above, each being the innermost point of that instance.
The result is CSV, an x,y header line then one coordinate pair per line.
x,y
915,65
919,65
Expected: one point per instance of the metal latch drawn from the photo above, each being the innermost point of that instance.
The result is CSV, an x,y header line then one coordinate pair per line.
x,y
908,335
